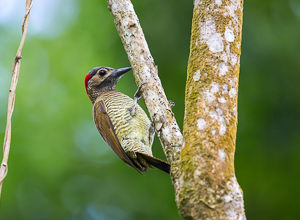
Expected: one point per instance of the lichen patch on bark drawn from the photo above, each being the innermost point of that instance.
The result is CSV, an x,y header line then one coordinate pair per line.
x,y
201,124
210,121
197,75
229,35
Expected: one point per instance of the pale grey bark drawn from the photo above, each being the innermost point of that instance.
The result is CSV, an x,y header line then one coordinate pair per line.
x,y
144,69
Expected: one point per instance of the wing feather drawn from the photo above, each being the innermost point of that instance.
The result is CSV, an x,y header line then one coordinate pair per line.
x,y
107,131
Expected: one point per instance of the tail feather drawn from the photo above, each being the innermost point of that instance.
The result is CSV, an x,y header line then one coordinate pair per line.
x,y
159,164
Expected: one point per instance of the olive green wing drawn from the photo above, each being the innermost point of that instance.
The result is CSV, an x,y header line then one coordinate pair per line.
x,y
107,131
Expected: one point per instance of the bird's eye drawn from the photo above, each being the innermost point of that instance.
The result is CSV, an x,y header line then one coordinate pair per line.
x,y
102,72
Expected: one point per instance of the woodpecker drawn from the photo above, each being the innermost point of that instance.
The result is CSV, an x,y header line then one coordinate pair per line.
x,y
122,123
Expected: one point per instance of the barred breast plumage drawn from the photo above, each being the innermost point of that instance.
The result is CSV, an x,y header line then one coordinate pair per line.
x,y
133,132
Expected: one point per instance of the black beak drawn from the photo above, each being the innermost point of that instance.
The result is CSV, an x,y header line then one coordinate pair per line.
x,y
119,72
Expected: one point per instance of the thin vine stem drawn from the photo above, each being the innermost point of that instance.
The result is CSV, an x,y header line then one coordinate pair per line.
x,y
12,95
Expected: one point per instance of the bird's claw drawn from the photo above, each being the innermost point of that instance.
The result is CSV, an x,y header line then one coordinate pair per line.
x,y
137,97
138,93
171,104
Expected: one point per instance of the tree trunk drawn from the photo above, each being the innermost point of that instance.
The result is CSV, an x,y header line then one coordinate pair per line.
x,y
209,188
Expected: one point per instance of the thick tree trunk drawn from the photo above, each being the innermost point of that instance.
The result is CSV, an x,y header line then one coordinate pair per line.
x,y
209,188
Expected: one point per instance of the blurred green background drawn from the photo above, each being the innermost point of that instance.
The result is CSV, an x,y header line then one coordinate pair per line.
x,y
59,166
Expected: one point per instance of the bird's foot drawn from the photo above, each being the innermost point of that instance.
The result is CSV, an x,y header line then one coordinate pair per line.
x,y
151,132
132,155
139,160
171,104
137,97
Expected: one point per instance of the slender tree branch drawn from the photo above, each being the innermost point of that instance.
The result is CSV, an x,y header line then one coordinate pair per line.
x,y
144,69
12,94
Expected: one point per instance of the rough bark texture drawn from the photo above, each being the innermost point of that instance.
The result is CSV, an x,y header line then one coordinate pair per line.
x,y
144,69
209,188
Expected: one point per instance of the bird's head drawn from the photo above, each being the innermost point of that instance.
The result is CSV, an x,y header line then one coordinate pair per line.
x,y
100,79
